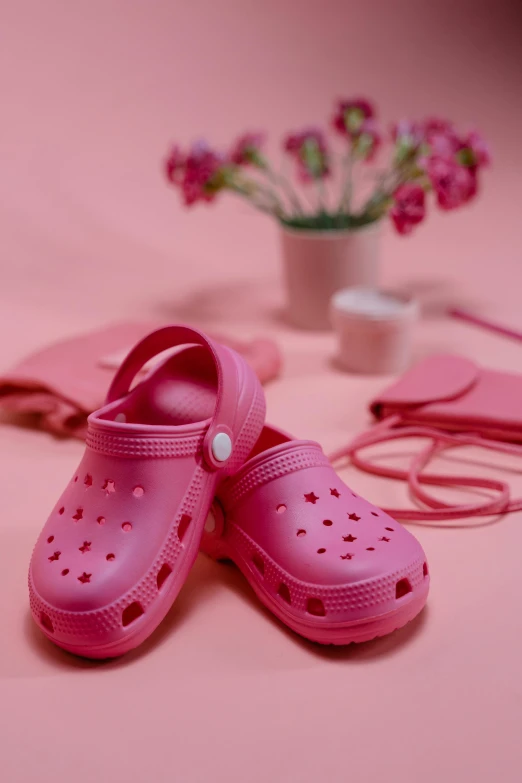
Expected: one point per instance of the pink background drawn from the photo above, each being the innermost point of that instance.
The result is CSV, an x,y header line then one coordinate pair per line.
x,y
92,92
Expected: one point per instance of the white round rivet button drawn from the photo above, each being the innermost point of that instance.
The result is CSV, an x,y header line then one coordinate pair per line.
x,y
221,447
120,417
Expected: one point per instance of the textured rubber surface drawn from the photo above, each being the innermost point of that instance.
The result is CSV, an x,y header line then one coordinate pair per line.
x,y
123,536
327,563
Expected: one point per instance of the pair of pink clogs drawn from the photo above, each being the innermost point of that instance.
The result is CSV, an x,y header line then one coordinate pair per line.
x,y
184,461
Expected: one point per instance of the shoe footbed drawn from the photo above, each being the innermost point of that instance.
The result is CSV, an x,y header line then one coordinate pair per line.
x,y
181,391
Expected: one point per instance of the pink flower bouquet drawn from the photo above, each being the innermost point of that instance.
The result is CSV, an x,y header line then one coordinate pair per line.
x,y
424,157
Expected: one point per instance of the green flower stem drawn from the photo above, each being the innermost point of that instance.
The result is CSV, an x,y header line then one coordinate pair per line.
x,y
345,203
249,195
321,195
290,192
279,181
272,196
235,180
379,201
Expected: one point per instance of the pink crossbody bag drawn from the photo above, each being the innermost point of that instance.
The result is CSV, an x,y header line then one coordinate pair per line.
x,y
451,402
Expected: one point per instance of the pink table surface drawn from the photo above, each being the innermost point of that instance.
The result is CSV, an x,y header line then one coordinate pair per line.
x,y
91,94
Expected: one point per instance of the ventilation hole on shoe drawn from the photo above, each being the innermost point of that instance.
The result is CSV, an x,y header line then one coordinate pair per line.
x,y
284,593
101,520
281,508
164,572
78,515
321,551
46,622
311,497
109,486
353,493
184,523
85,547
65,572
61,510
301,533
402,588
54,556
138,492
354,517
110,557
88,480
335,493
370,549
389,528
84,578
374,514
259,563
131,613
327,522
127,527
76,478
350,538
425,569
50,539
316,607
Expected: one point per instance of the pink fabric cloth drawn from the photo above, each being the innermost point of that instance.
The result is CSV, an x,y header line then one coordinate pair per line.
x,y
63,383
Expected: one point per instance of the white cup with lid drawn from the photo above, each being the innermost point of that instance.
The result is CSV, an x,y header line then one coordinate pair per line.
x,y
375,329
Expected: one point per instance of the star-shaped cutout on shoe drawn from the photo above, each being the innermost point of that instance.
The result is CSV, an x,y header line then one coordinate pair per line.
x,y
353,517
350,538
335,493
109,486
384,539
78,515
88,480
84,578
55,556
86,547
347,556
311,497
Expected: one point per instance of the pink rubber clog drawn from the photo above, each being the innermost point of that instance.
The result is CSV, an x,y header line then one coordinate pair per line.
x,y
122,538
327,563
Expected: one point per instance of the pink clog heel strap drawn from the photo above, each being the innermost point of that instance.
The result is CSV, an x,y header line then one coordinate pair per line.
x,y
218,443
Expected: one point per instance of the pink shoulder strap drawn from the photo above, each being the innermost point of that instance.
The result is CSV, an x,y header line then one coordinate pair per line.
x,y
438,441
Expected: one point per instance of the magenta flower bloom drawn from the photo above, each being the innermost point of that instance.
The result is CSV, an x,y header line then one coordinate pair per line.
x,y
174,165
247,148
409,132
295,141
203,176
351,114
436,125
441,137
454,184
444,145
309,149
409,207
478,148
